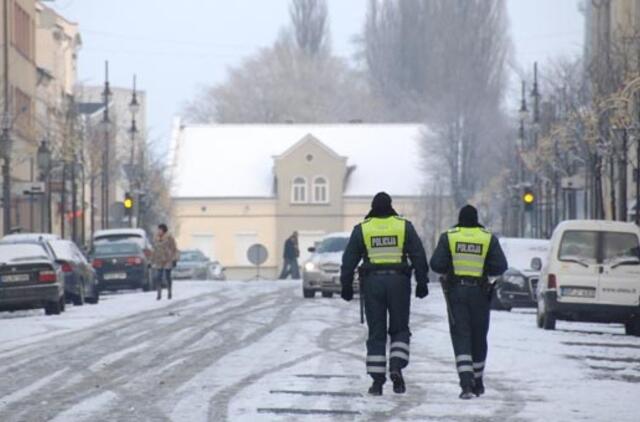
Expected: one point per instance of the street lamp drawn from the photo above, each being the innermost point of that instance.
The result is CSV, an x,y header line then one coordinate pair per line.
x,y
43,159
134,108
106,159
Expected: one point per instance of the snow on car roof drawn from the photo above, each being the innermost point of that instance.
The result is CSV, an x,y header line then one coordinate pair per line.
x,y
13,252
336,234
30,237
120,232
234,160
520,251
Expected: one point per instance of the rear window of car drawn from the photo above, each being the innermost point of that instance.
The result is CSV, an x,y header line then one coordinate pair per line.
x,y
12,253
117,249
580,245
333,244
619,246
64,250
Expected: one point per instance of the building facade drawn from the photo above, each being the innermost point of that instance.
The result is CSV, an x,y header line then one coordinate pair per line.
x,y
18,70
238,185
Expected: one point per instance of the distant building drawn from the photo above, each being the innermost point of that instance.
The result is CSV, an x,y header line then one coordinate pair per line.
x,y
237,185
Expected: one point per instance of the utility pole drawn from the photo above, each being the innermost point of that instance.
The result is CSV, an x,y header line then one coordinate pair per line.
x,y
6,122
134,107
106,161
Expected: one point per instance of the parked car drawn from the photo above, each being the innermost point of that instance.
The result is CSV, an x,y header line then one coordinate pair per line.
x,y
321,272
195,265
79,276
517,287
593,275
120,265
138,236
29,278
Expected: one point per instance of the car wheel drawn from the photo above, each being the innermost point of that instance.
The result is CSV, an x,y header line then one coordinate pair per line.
x,y
632,328
78,300
53,308
327,294
496,304
308,293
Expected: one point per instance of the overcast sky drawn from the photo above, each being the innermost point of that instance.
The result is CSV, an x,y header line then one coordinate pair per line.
x,y
177,47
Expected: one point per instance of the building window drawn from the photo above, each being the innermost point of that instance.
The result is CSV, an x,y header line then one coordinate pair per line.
x,y
23,31
320,190
299,190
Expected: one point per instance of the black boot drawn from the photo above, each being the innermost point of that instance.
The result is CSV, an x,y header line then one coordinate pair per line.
x,y
376,388
467,393
478,387
398,381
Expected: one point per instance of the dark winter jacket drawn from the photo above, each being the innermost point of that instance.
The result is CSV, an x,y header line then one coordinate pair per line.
x,y
356,252
495,264
291,250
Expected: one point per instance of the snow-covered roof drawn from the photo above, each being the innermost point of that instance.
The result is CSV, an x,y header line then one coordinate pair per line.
x,y
233,160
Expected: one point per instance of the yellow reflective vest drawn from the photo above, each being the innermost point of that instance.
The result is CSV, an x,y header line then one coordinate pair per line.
x,y
469,248
384,239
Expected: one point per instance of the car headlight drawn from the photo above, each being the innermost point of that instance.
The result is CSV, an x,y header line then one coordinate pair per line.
x,y
310,266
517,280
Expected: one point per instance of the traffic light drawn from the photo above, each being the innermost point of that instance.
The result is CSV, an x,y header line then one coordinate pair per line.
x,y
128,204
528,199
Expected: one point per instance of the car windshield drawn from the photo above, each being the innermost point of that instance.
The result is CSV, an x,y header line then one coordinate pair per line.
x,y
333,244
192,256
620,247
21,252
117,249
579,245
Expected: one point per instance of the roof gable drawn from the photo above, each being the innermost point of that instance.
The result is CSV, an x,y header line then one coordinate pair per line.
x,y
309,139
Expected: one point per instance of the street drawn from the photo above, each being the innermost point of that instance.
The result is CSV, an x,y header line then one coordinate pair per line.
x,y
258,351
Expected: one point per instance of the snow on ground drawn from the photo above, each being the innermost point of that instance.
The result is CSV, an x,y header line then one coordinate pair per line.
x,y
257,351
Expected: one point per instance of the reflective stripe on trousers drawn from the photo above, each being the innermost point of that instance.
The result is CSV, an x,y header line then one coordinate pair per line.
x,y
376,364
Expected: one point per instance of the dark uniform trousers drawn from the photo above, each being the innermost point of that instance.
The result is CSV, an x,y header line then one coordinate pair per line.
x,y
470,311
387,294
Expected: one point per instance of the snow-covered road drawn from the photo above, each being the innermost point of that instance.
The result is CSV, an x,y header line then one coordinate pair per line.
x,y
258,352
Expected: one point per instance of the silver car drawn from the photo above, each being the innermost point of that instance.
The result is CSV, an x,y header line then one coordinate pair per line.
x,y
321,272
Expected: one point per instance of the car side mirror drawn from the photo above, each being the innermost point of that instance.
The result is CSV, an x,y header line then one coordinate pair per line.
x,y
536,264
311,249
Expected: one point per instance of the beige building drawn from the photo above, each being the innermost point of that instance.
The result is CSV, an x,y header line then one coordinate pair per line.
x,y
237,185
18,93
58,43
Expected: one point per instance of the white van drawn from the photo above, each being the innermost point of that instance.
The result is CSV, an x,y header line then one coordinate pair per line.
x,y
592,275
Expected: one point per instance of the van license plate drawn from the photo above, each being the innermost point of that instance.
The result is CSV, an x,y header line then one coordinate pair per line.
x,y
578,292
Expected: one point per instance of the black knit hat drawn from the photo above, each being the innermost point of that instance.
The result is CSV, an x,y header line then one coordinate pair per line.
x,y
468,217
381,206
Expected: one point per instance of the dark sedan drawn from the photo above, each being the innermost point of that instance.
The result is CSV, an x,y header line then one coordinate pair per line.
x,y
517,287
29,278
120,265
79,277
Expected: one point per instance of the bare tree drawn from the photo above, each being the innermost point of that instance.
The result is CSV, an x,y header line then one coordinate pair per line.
x,y
310,26
444,62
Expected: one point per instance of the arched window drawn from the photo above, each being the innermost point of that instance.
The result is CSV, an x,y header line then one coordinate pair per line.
x,y
299,190
320,190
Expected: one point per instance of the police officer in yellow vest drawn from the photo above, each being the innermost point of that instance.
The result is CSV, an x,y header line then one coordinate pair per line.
x,y
386,244
467,255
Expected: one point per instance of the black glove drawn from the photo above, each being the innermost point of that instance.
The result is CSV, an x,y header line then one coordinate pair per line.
x,y
422,290
347,293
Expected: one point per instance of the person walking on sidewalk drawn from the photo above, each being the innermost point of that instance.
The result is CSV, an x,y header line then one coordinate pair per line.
x,y
163,259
